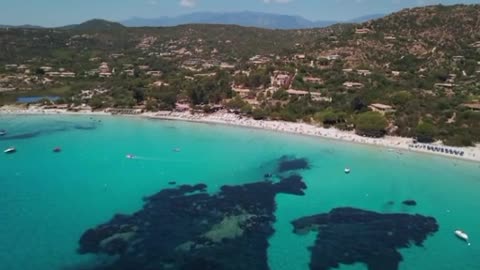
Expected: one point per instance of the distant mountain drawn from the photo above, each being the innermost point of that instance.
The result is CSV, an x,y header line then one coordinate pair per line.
x,y
21,26
254,19
246,18
95,25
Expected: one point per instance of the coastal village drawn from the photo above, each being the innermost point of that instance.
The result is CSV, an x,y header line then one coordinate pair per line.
x,y
330,77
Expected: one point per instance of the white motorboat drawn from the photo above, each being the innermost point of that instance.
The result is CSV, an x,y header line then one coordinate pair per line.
x,y
462,235
10,150
130,156
347,170
3,132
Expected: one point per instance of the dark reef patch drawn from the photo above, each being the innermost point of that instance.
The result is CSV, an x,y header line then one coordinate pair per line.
x,y
21,136
287,163
90,126
349,235
187,228
49,127
409,202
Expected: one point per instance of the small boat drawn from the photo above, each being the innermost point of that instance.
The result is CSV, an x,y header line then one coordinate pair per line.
x,y
3,132
10,150
347,170
130,156
57,149
177,149
462,235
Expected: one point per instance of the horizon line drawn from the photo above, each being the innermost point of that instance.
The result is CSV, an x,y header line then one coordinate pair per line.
x,y
196,12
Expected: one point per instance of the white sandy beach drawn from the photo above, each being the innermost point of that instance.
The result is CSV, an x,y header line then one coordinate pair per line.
x,y
389,142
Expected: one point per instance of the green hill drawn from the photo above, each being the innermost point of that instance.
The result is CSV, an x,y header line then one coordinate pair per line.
x,y
95,25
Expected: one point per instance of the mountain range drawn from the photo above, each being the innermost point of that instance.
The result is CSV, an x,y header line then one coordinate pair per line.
x,y
21,26
245,18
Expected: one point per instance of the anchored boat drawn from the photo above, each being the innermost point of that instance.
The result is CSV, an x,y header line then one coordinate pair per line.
x,y
462,235
10,150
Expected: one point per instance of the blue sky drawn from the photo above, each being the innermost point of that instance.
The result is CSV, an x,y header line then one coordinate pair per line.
x,y
62,12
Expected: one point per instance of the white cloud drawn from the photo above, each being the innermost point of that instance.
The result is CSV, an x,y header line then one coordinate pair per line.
x,y
188,3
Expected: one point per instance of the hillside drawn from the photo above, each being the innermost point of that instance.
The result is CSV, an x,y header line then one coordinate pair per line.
x,y
429,33
421,65
95,25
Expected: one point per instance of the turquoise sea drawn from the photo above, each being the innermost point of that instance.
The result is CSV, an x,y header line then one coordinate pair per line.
x,y
47,200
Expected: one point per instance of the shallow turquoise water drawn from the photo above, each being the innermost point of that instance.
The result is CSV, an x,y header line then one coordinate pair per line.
x,y
48,200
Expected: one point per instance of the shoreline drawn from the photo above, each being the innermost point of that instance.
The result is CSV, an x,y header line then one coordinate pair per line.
x,y
391,143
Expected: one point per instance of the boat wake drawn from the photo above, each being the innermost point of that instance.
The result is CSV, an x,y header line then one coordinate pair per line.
x,y
145,158
130,156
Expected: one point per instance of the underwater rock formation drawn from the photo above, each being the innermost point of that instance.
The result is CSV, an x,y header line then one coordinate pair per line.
x,y
86,126
349,235
49,127
20,136
287,163
187,228
409,202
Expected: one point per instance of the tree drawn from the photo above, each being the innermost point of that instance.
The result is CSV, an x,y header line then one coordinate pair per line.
x,y
461,139
280,94
332,118
358,104
39,71
96,103
286,115
256,79
440,74
470,66
401,98
425,132
259,114
371,124
329,117
246,109
139,94
167,98
151,105
236,103
261,97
